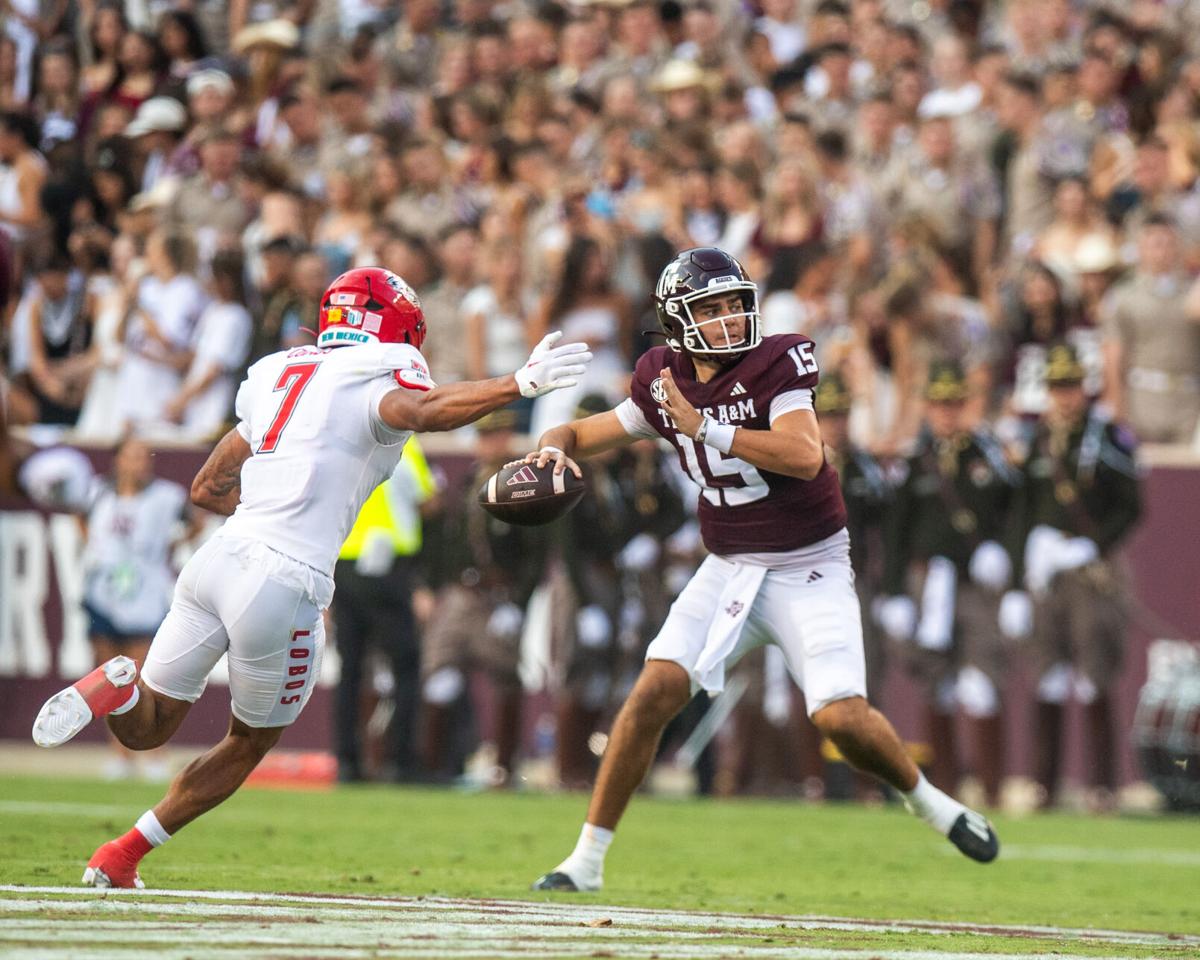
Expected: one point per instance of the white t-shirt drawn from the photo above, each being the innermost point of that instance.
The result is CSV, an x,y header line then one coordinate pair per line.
x,y
146,382
311,417
222,341
128,575
506,347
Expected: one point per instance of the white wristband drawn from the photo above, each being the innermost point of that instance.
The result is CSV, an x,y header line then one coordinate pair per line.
x,y
719,436
550,449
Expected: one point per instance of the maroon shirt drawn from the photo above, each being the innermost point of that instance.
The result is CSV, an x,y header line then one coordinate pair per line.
x,y
744,509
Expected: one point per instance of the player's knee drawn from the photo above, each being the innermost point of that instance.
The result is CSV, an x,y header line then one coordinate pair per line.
x,y
141,738
660,694
842,720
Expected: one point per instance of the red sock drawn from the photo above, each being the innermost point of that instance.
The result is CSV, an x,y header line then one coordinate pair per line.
x,y
133,845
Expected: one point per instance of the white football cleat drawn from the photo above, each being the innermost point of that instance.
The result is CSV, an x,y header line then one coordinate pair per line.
x,y
95,877
102,691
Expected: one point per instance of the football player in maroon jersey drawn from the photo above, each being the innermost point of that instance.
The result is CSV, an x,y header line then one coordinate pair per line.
x,y
738,409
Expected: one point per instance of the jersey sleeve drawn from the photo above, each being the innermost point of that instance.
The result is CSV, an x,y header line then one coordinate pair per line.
x,y
634,421
408,368
642,407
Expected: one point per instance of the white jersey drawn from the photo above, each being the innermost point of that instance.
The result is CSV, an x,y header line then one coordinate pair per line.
x,y
127,560
311,417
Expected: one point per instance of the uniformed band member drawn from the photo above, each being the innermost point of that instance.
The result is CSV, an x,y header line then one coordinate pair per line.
x,y
1078,501
866,492
943,547
480,614
611,546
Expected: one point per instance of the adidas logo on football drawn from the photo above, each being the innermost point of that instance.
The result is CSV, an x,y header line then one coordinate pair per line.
x,y
813,577
524,475
737,390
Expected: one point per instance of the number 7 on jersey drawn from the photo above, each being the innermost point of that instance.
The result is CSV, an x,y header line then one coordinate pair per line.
x,y
293,378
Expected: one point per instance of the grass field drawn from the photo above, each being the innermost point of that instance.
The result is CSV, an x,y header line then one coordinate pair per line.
x,y
761,879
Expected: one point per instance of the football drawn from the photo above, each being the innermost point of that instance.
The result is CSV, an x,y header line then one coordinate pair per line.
x,y
527,496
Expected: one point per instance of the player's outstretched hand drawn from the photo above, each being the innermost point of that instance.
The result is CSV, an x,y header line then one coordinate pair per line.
x,y
687,418
549,455
552,368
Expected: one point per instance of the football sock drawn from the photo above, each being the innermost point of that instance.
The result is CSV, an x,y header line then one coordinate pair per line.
x,y
128,704
585,865
932,805
146,834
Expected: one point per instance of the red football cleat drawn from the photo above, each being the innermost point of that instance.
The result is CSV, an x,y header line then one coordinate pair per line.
x,y
115,865
102,691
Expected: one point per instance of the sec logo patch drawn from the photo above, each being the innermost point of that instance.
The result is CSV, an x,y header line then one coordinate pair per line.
x,y
658,391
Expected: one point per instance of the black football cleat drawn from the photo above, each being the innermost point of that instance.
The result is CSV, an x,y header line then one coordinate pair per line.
x,y
974,836
556,880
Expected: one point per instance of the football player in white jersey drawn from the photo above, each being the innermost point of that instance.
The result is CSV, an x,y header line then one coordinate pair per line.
x,y
318,429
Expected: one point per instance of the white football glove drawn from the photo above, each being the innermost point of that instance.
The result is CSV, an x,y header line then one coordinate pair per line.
x,y
1015,618
1077,552
552,368
593,627
990,565
1042,550
506,622
639,554
897,616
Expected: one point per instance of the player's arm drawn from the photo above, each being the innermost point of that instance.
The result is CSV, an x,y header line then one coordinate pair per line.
x,y
791,447
218,485
457,404
580,439
447,407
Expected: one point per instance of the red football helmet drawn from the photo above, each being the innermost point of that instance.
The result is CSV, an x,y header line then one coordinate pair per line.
x,y
370,305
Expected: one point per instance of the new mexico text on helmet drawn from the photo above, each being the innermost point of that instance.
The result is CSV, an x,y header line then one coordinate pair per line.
x,y
370,305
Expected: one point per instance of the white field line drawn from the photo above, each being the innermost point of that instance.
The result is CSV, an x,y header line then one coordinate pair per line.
x,y
1111,855
35,807
506,914
328,932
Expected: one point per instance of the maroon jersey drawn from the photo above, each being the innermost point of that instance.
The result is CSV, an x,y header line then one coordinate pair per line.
x,y
744,509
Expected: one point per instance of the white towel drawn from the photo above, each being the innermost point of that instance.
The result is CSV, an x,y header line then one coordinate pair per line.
x,y
936,629
733,608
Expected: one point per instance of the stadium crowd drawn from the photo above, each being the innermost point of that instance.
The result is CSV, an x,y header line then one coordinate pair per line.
x,y
940,193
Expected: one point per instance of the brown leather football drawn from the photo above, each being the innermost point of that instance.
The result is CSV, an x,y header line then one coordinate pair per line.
x,y
528,497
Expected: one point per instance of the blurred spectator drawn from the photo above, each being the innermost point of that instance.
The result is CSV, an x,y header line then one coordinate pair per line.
x,y
59,333
210,102
23,173
1077,223
1152,342
220,346
342,230
953,193
210,205
496,315
182,42
134,521
160,329
112,294
56,105
458,254
156,132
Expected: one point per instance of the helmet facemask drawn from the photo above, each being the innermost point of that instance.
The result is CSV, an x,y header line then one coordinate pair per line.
x,y
709,338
